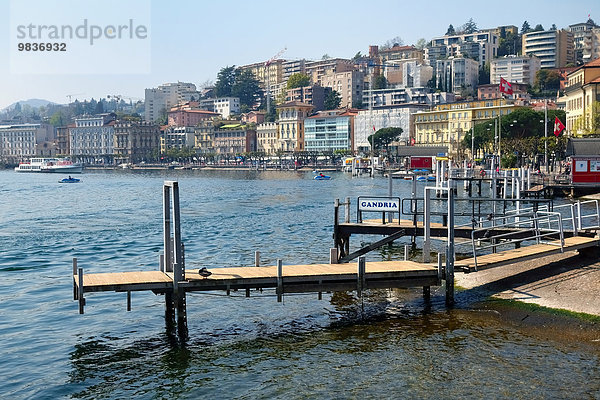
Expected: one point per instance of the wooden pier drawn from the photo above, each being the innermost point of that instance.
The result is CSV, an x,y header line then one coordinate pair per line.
x,y
173,280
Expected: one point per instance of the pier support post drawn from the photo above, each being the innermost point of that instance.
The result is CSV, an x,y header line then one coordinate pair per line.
x,y
347,210
129,300
360,276
257,258
74,275
80,290
333,256
406,249
279,281
426,293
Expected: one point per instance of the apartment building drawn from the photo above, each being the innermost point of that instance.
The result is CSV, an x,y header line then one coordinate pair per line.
x,y
457,75
582,37
492,91
367,122
405,96
397,53
135,141
234,139
290,133
329,131
314,95
204,134
554,48
19,141
582,97
518,69
481,46
92,138
189,114
349,86
318,69
160,100
177,137
266,74
447,124
266,138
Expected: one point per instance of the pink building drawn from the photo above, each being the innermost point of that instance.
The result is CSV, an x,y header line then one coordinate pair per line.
x,y
183,117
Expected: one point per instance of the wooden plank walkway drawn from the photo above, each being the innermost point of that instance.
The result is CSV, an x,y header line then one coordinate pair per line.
x,y
296,278
525,253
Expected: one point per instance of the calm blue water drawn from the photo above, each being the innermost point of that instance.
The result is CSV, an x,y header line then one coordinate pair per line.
x,y
390,345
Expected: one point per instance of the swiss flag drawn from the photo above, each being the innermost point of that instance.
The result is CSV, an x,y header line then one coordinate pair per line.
x,y
505,86
558,127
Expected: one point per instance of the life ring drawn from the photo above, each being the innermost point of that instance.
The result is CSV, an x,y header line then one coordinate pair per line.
x,y
482,173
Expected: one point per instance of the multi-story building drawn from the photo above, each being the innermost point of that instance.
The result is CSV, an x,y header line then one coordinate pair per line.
x,y
349,85
447,124
234,139
189,114
62,140
290,133
582,33
329,131
554,48
397,53
293,67
492,91
92,138
266,73
481,46
266,138
518,69
318,69
18,142
367,122
591,45
582,99
160,100
405,96
314,95
204,134
504,29
457,75
177,137
135,141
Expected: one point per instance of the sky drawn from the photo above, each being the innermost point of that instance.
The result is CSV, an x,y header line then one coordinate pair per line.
x,y
190,41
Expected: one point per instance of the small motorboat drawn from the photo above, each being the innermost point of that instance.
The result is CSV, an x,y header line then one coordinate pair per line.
x,y
322,177
69,180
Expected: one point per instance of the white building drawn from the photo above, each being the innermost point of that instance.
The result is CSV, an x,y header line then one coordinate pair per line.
x,y
92,138
405,96
160,100
457,74
19,141
368,122
555,49
481,46
177,137
222,105
518,69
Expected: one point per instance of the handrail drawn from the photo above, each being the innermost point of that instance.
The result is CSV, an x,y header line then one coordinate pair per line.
x,y
532,221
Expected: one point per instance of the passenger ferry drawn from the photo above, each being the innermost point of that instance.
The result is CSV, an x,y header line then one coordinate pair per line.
x,y
49,165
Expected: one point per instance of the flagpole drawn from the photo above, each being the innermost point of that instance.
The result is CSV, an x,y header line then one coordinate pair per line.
x,y
546,134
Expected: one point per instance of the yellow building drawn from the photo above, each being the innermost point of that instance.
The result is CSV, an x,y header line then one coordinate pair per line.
x,y
290,131
447,124
582,99
271,74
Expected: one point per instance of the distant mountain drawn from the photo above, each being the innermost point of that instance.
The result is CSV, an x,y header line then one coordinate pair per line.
x,y
34,103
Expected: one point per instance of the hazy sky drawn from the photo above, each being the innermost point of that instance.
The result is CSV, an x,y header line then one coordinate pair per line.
x,y
192,40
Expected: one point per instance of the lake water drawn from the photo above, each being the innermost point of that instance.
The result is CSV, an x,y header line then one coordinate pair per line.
x,y
389,344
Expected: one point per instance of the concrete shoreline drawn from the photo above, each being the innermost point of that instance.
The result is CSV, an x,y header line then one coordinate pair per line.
x,y
568,281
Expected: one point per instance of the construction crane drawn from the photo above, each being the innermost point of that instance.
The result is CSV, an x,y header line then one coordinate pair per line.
x,y
268,84
74,94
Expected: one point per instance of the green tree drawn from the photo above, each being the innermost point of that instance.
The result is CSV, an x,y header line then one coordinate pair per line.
x,y
357,56
57,119
225,81
526,28
469,27
484,74
246,87
332,100
383,138
325,56
538,28
99,109
397,41
298,80
451,30
553,28
379,82
421,43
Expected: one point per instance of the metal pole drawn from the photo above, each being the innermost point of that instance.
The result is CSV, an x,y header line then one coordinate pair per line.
x,y
546,134
426,230
450,255
168,263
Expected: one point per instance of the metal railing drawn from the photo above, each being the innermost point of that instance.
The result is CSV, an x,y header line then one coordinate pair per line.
x,y
529,227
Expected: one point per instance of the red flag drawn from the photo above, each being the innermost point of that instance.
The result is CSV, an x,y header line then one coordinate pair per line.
x,y
558,127
373,128
505,86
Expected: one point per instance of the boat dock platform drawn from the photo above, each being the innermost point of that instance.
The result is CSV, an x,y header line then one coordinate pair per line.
x,y
542,228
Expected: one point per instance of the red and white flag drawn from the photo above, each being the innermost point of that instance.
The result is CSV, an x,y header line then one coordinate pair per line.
x,y
558,127
505,86
373,128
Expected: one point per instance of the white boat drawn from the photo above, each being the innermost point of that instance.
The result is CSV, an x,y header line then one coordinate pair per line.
x,y
49,165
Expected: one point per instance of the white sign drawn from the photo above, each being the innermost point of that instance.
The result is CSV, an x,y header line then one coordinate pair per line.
x,y
581,166
389,205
